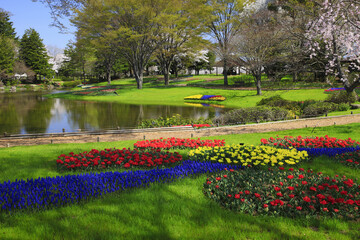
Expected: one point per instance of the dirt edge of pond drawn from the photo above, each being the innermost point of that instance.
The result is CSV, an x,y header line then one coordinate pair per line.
x,y
183,133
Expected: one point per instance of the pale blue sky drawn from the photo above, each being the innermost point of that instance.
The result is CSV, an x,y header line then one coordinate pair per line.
x,y
27,14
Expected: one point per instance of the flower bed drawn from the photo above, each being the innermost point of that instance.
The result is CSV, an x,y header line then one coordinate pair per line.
x,y
249,155
333,89
315,146
170,143
285,193
309,142
194,125
44,193
116,158
206,97
351,159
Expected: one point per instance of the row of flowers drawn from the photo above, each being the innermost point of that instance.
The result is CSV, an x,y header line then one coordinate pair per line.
x,y
116,158
170,143
287,193
205,97
44,193
249,155
194,125
309,142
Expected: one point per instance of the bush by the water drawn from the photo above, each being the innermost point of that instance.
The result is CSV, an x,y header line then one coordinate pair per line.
x,y
71,84
175,120
253,115
278,101
249,155
285,193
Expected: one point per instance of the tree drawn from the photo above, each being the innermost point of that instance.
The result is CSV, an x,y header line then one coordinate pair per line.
x,y
34,53
6,28
136,24
7,55
7,44
224,26
182,23
338,28
260,44
211,57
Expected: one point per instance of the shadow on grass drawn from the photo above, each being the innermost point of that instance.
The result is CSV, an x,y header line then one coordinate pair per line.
x,y
163,211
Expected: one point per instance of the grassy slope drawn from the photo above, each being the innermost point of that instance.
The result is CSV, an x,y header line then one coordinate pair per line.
x,y
173,211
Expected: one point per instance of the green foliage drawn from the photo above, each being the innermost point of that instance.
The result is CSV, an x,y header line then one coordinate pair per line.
x,y
278,101
7,54
33,53
343,107
71,84
342,97
350,159
6,28
175,120
253,114
319,108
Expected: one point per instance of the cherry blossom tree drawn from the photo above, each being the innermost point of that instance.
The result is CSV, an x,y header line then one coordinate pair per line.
x,y
338,28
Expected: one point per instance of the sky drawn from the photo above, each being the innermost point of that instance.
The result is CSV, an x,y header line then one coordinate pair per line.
x,y
26,14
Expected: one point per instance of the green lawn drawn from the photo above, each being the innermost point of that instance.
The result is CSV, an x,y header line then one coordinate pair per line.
x,y
175,96
163,211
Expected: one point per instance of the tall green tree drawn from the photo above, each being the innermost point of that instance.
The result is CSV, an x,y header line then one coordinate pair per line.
x,y
182,24
7,44
6,28
34,54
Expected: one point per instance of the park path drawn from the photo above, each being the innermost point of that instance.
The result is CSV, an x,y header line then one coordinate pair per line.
x,y
139,134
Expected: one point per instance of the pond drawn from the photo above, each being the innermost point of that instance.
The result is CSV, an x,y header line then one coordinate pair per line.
x,y
31,112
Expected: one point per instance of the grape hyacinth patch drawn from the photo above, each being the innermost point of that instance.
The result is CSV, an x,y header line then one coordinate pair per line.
x,y
43,193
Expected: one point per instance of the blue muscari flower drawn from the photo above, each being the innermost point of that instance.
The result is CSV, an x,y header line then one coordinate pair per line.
x,y
331,152
62,190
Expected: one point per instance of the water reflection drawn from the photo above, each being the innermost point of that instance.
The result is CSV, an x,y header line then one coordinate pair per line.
x,y
30,112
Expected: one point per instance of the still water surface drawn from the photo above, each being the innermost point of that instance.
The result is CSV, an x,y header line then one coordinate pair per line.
x,y
30,112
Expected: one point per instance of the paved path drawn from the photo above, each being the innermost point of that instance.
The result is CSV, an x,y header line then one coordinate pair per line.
x,y
184,133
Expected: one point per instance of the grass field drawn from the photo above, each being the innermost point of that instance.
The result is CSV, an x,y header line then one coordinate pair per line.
x,y
163,211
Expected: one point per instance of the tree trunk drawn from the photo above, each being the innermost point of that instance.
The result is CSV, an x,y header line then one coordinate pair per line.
x,y
295,76
225,73
138,72
166,77
108,77
258,84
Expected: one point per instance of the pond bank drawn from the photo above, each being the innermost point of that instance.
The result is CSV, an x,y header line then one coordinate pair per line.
x,y
185,132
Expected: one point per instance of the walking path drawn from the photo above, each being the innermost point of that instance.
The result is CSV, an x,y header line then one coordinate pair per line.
x,y
140,134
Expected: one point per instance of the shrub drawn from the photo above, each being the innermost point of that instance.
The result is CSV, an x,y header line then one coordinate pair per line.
x,y
175,120
115,158
319,108
249,155
253,114
278,101
71,84
171,143
343,107
342,97
285,193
